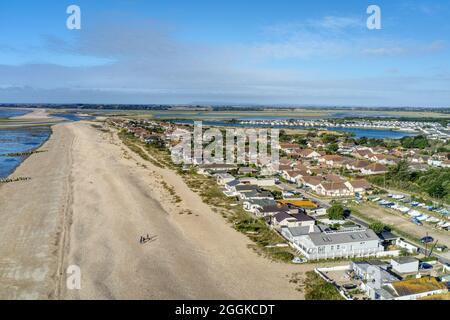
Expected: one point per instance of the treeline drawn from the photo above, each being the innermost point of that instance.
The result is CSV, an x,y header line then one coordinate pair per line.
x,y
434,183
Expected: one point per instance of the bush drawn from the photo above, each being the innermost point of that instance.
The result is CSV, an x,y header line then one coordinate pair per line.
x,y
318,289
336,212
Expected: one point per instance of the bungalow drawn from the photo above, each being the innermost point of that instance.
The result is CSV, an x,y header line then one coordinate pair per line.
x,y
309,154
315,144
333,189
358,165
289,147
311,182
246,170
419,159
293,175
337,244
270,210
251,205
255,194
298,165
360,186
374,168
362,154
263,182
284,219
411,289
358,242
333,178
405,265
223,178
215,167
332,160
383,159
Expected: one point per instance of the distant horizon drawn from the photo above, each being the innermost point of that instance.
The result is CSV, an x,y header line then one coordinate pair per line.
x,y
286,53
218,105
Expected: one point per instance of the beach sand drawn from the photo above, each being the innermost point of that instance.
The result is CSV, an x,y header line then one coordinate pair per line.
x,y
89,202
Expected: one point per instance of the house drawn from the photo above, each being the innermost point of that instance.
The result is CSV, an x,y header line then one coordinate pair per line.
x,y
230,188
223,178
215,167
311,182
383,159
299,166
251,205
294,234
333,178
304,220
289,147
246,170
284,219
309,154
270,210
254,194
333,189
419,159
374,168
373,274
332,160
364,270
358,165
357,242
293,175
361,186
315,144
411,289
404,265
260,182
362,153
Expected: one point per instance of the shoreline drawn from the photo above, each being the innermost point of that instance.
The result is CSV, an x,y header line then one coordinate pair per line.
x,y
30,115
89,201
29,213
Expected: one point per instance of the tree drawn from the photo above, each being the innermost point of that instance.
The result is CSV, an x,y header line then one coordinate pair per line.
x,y
332,148
377,227
329,138
336,212
416,142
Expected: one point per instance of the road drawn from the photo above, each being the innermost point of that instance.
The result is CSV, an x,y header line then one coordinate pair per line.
x,y
324,203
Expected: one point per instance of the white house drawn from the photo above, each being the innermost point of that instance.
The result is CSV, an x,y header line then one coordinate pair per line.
x,y
404,265
223,178
333,189
357,242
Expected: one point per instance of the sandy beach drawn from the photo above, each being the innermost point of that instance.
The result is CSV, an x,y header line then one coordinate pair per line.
x,y
87,204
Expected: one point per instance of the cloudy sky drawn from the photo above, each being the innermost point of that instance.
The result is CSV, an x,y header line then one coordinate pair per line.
x,y
262,52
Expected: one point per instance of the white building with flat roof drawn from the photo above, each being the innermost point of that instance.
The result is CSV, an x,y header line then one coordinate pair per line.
x,y
355,242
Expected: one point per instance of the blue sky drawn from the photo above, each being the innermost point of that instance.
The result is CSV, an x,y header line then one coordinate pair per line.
x,y
263,52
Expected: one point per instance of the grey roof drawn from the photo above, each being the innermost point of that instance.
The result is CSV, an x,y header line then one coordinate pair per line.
x,y
402,260
301,231
224,175
246,187
262,202
280,216
329,238
303,217
387,236
233,183
274,209
257,194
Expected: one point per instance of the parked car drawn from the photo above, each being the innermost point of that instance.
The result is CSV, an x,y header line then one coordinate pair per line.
x,y
298,260
427,239
425,266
